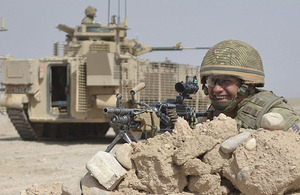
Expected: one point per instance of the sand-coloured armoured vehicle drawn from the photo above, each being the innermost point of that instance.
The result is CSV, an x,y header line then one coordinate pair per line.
x,y
63,95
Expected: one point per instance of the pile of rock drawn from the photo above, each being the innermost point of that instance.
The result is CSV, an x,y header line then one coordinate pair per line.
x,y
214,158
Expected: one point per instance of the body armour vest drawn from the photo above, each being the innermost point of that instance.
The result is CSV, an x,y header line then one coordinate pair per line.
x,y
252,109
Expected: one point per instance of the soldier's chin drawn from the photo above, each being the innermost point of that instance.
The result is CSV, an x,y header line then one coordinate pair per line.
x,y
221,99
222,105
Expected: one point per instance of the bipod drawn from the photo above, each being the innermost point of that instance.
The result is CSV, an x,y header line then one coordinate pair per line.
x,y
121,135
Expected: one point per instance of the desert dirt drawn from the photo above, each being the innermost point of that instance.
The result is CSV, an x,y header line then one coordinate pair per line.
x,y
25,163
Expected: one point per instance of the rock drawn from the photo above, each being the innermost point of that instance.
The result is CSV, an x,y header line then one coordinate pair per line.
x,y
72,186
229,145
131,181
206,184
252,131
216,159
158,175
196,167
272,169
90,186
243,174
106,169
123,155
251,144
272,121
193,147
221,128
155,168
181,127
192,162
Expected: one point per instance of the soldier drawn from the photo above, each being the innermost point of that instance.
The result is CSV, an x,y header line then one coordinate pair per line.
x,y
231,73
90,13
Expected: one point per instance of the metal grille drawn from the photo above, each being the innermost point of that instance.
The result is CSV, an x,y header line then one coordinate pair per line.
x,y
152,91
2,89
160,79
58,48
117,72
81,104
99,47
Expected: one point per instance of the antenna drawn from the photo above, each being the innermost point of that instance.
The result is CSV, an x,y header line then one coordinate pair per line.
x,y
2,25
126,20
108,17
119,12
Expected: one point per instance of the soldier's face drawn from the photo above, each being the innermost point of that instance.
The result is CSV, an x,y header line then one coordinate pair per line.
x,y
223,88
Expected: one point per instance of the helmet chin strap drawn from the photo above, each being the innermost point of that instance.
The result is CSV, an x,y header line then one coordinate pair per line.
x,y
228,105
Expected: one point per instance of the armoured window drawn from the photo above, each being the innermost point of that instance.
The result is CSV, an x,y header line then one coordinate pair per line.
x,y
98,29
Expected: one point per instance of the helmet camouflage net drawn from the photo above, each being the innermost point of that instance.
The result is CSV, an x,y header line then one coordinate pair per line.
x,y
90,11
234,58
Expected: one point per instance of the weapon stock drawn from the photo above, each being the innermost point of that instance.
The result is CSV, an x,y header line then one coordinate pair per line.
x,y
138,88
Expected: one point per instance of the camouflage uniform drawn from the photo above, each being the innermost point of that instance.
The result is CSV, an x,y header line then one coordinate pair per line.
x,y
87,20
236,58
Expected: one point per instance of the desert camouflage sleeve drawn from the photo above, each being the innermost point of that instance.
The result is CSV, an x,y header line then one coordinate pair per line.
x,y
291,117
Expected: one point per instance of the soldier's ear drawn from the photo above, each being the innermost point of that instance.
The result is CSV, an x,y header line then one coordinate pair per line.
x,y
251,86
205,89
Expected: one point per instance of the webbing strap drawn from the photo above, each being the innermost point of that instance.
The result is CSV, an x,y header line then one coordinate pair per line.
x,y
266,108
252,109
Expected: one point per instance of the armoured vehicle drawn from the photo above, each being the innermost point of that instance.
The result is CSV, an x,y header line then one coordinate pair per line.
x,y
63,96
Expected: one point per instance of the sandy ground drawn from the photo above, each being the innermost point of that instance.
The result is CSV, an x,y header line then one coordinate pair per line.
x,y
24,163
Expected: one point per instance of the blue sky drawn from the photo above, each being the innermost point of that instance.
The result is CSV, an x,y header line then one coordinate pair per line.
x,y
270,26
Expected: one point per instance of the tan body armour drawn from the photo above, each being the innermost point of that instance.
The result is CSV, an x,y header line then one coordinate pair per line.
x,y
252,108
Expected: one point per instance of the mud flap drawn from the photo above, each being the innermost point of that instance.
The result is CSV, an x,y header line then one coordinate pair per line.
x,y
13,100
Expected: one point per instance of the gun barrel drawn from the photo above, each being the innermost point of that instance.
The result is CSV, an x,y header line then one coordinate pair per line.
x,y
196,48
176,48
166,48
118,111
65,28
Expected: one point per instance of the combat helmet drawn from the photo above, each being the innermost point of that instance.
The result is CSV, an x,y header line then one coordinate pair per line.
x,y
90,11
235,58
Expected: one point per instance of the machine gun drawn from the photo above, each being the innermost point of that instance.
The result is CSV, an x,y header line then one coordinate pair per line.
x,y
156,116
169,110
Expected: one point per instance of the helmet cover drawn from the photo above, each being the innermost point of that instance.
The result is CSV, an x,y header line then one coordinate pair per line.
x,y
234,58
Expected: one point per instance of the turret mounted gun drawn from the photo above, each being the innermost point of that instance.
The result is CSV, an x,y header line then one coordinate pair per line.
x,y
138,49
